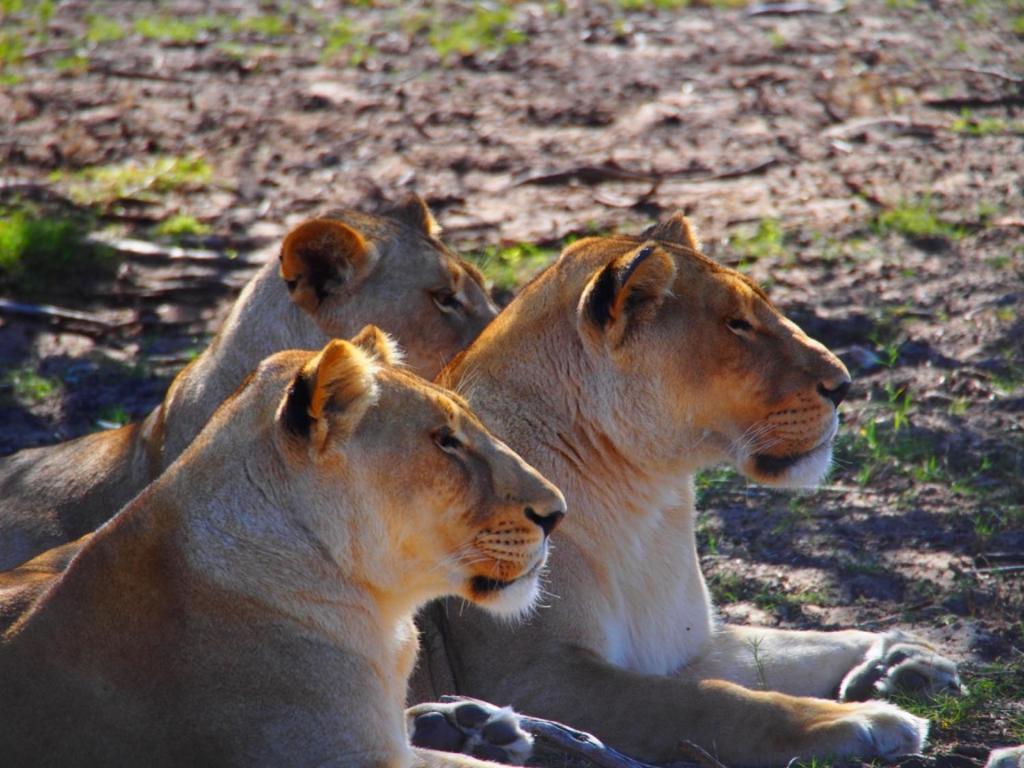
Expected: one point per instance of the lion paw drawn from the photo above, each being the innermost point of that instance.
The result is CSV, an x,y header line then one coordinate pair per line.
x,y
883,730
1008,757
471,728
900,662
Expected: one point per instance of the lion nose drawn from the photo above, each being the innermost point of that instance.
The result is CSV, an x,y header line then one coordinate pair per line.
x,y
546,522
835,393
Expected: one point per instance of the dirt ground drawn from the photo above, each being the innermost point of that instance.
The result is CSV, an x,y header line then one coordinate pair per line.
x,y
865,162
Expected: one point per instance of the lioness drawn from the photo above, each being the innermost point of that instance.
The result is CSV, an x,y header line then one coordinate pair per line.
x,y
621,370
335,274
253,606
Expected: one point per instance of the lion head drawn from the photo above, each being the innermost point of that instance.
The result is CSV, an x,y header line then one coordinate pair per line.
x,y
674,360
436,505
348,269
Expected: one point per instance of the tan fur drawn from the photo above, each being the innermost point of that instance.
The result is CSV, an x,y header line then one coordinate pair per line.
x,y
343,270
253,606
623,369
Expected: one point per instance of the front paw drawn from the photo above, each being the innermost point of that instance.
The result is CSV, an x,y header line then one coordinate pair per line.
x,y
1009,757
471,728
877,729
900,662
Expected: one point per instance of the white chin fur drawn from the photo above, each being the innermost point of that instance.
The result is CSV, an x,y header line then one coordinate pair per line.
x,y
807,472
516,600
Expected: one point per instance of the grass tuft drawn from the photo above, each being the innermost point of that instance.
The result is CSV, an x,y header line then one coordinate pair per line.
x,y
180,226
27,387
483,30
510,267
916,219
103,185
38,254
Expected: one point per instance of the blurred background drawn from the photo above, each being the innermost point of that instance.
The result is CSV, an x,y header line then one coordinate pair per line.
x,y
863,160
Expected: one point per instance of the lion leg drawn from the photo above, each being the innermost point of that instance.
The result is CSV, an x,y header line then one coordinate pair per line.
x,y
647,715
850,664
472,728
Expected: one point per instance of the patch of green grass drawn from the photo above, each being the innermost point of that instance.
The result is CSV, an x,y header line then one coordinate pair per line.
x,y
179,31
726,588
916,219
990,689
764,242
731,588
973,125
102,29
12,49
112,417
1017,26
651,5
344,37
28,387
483,30
267,25
76,64
510,267
106,184
38,254
777,40
180,226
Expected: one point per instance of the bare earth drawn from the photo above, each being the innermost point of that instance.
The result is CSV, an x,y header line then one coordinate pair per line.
x,y
808,148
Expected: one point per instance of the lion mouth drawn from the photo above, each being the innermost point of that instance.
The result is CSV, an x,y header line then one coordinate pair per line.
x,y
776,465
484,585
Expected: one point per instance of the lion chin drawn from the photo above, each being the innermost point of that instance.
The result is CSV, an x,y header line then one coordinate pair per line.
x,y
512,600
803,470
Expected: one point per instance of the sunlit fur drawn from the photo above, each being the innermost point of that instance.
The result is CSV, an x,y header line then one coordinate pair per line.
x,y
345,269
620,372
253,606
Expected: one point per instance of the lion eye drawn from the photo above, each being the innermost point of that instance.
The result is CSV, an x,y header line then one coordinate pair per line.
x,y
739,325
447,301
447,441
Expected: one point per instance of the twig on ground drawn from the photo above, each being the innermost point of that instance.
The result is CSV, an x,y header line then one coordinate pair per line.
x,y
976,102
997,73
50,312
1000,569
622,202
102,68
794,9
143,249
862,124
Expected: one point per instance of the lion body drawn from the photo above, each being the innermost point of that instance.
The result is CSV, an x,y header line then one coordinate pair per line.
x,y
253,606
55,494
619,372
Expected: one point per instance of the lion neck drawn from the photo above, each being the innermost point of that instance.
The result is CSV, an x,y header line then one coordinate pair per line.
x,y
628,486
263,320
559,408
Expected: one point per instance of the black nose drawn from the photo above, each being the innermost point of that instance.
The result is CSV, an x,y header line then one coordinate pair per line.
x,y
546,522
836,394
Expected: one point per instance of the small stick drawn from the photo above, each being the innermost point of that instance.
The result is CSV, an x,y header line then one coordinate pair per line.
x,y
54,313
997,73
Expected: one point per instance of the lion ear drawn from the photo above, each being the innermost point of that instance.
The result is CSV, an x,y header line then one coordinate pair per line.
x,y
414,213
675,229
330,394
626,291
319,257
379,345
